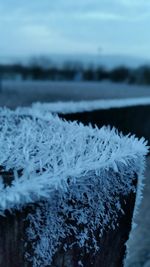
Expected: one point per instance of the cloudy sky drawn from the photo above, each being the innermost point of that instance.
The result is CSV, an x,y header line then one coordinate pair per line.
x,y
34,27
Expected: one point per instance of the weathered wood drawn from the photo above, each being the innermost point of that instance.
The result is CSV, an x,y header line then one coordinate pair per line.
x,y
12,232
12,236
112,244
125,119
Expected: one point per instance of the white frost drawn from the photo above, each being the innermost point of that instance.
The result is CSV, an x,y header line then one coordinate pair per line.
x,y
83,106
74,173
48,150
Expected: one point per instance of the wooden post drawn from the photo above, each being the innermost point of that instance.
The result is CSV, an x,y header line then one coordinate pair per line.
x,y
14,241
112,244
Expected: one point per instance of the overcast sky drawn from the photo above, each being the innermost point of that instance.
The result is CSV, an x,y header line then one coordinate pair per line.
x,y
33,27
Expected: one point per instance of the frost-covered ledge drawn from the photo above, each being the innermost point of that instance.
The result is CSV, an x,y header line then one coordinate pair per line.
x,y
70,183
91,105
125,114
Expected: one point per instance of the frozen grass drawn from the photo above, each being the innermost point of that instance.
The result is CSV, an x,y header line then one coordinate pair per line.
x,y
25,93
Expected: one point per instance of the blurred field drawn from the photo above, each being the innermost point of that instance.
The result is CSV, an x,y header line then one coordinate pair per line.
x,y
18,93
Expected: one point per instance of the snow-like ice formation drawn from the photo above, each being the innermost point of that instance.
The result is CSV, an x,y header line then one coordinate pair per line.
x,y
49,150
75,173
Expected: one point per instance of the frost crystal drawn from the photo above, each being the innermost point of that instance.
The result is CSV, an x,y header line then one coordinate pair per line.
x,y
83,106
74,173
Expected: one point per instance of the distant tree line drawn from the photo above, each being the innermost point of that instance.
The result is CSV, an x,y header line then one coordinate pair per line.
x,y
74,72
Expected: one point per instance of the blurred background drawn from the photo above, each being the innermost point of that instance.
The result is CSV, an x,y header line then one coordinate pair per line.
x,y
72,50
80,50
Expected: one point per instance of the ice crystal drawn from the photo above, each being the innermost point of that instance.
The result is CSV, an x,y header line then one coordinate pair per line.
x,y
75,174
